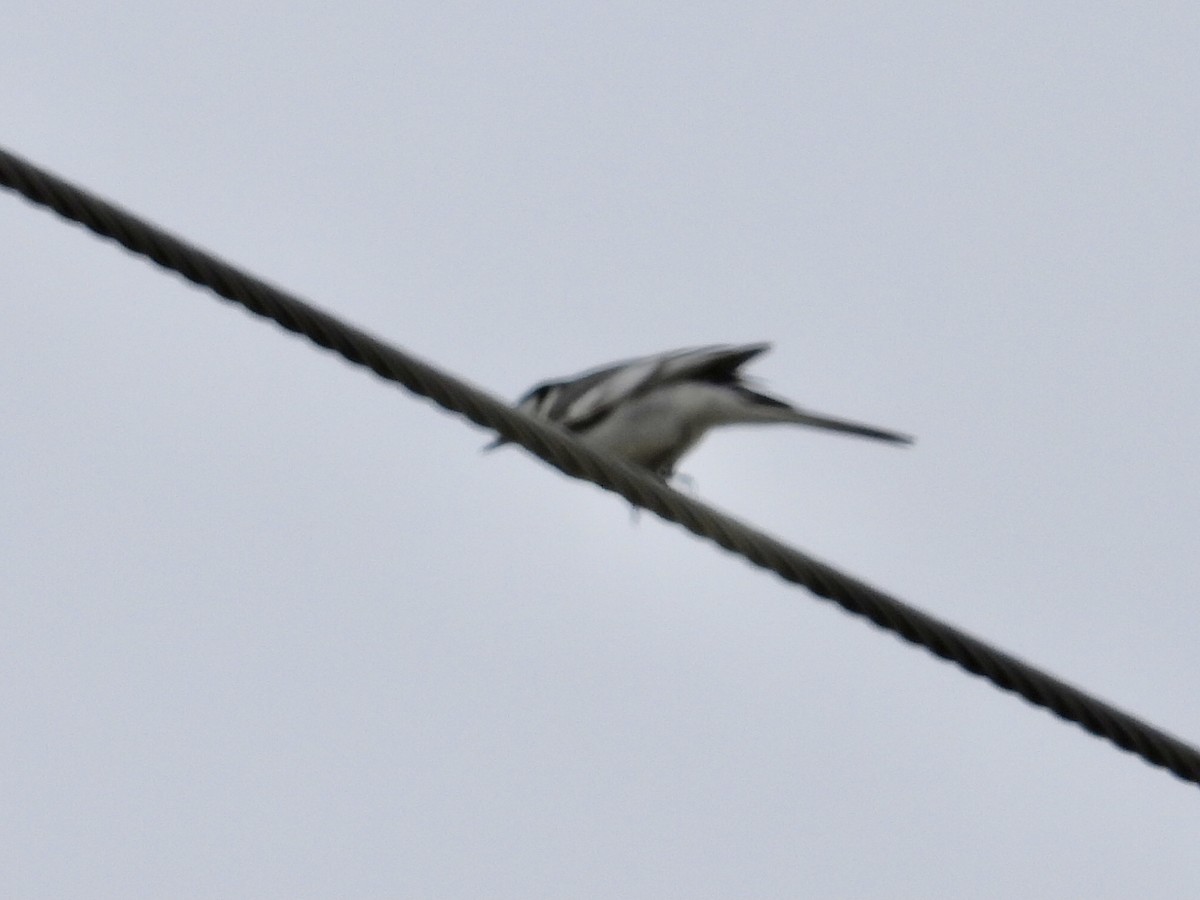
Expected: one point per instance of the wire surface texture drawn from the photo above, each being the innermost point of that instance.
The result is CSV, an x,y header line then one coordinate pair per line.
x,y
573,458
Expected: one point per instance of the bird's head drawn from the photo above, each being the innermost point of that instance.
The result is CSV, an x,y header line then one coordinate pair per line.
x,y
536,402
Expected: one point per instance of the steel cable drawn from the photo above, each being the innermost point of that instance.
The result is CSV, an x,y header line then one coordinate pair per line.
x,y
573,458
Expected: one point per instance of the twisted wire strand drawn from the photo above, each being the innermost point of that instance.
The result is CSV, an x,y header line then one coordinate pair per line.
x,y
562,451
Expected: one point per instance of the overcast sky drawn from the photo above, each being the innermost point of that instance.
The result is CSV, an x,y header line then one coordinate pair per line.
x,y
271,627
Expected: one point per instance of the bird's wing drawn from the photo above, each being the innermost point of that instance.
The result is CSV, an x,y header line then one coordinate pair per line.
x,y
588,398
716,364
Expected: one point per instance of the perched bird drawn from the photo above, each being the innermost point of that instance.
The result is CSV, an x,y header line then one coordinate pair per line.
x,y
651,411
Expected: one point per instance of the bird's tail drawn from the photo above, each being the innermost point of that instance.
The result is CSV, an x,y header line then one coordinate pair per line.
x,y
845,427
770,409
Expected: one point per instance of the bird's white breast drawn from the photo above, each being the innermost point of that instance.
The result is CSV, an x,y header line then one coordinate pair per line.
x,y
657,428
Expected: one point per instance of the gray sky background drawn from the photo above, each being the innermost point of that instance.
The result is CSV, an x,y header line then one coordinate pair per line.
x,y
273,628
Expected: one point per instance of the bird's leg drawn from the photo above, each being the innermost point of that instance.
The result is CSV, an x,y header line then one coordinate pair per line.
x,y
664,475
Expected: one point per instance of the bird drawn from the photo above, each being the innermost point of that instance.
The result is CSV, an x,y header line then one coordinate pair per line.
x,y
652,410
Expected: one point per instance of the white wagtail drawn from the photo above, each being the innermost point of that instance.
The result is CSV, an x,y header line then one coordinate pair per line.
x,y
651,411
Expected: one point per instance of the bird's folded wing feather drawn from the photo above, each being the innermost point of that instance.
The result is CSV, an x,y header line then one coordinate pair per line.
x,y
592,396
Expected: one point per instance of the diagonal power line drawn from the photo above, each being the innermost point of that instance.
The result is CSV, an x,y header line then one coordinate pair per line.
x,y
573,458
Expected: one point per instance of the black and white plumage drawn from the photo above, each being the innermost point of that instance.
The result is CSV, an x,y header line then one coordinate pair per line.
x,y
651,411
